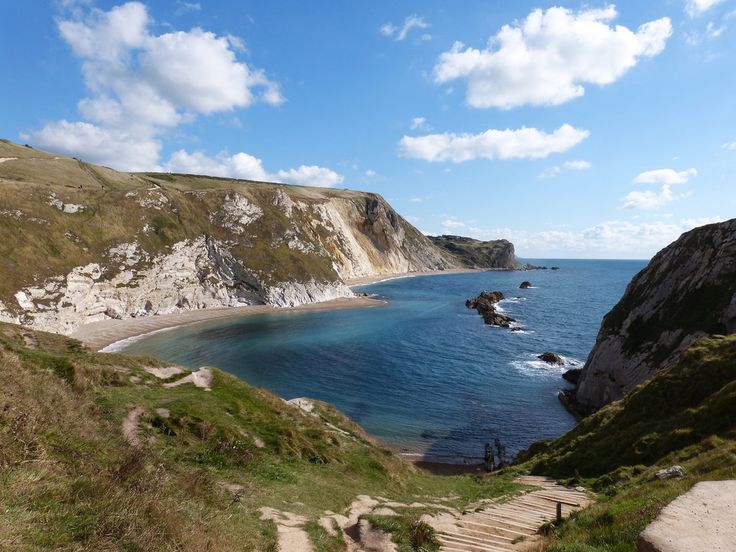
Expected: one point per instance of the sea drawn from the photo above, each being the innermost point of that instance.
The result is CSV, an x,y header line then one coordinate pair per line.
x,y
423,373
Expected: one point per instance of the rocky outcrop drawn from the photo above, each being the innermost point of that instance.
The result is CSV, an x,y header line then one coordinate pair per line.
x,y
485,304
494,254
688,290
551,358
81,243
572,375
526,284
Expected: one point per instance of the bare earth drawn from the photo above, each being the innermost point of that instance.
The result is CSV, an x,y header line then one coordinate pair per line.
x,y
99,335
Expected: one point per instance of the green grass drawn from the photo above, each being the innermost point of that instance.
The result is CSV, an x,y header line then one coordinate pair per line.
x,y
68,479
685,415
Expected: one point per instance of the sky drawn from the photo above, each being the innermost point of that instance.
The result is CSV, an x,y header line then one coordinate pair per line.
x,y
575,129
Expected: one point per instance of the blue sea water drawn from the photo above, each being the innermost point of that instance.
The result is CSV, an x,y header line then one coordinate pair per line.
x,y
424,373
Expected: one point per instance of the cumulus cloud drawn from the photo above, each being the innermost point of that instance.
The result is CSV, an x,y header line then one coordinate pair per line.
x,y
610,239
522,143
142,84
695,8
245,166
729,146
650,199
240,165
401,32
548,57
665,176
310,175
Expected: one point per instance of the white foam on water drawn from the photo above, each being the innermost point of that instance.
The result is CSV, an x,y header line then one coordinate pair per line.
x,y
122,344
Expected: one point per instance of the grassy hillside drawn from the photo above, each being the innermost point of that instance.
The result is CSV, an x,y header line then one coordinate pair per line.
x,y
685,415
59,213
190,477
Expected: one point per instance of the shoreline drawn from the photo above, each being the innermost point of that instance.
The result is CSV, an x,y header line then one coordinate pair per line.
x,y
99,336
368,280
110,335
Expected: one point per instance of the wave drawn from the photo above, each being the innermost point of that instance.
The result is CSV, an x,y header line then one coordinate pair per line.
x,y
122,344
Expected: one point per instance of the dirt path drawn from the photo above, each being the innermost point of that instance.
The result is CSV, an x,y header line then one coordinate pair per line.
x,y
130,426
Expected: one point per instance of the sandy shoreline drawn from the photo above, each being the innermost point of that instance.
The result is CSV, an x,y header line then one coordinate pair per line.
x,y
366,280
99,335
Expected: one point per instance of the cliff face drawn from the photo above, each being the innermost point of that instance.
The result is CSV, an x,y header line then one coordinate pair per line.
x,y
81,243
473,253
688,290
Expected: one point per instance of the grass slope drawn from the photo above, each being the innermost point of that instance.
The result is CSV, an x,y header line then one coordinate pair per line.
x,y
685,415
69,480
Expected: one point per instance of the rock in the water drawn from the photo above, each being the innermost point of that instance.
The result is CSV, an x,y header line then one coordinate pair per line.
x,y
572,375
555,268
669,473
525,285
551,358
484,304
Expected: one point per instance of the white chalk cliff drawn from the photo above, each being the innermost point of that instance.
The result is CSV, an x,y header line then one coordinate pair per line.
x,y
81,243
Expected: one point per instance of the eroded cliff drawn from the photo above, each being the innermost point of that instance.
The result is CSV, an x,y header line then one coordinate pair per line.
x,y
81,243
687,291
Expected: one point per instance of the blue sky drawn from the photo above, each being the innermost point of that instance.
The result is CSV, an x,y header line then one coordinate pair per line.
x,y
576,130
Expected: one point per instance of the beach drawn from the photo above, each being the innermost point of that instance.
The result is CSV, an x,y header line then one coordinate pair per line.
x,y
101,335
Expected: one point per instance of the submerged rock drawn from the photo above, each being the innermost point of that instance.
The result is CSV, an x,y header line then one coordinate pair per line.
x,y
551,358
525,285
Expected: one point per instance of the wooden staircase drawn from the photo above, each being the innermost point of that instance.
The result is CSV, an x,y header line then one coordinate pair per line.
x,y
499,526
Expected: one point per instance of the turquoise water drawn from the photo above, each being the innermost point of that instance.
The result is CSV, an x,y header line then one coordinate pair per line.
x,y
424,373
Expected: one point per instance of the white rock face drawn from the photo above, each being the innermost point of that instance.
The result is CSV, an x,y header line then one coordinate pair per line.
x,y
292,294
237,213
196,274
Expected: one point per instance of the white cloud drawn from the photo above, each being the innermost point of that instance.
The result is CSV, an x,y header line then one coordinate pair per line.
x,y
245,166
578,165
548,57
187,7
649,199
714,32
729,146
311,175
665,176
655,199
419,123
451,224
610,239
417,199
370,173
556,170
240,165
523,143
142,84
105,146
400,33
695,8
